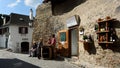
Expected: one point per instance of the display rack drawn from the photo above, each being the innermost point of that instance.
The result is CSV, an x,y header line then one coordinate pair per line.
x,y
105,31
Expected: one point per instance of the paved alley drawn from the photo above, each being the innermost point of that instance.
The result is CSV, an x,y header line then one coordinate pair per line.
x,y
17,60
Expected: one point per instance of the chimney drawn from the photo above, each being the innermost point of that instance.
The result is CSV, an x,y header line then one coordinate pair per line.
x,y
4,20
31,15
31,18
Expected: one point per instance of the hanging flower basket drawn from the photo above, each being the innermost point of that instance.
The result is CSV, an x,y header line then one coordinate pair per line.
x,y
81,28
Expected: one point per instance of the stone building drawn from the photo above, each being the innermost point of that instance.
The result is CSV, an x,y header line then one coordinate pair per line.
x,y
60,13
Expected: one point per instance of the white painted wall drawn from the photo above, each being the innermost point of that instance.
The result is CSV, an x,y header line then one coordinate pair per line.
x,y
2,41
15,39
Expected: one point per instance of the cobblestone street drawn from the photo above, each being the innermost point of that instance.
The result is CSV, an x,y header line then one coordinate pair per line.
x,y
17,60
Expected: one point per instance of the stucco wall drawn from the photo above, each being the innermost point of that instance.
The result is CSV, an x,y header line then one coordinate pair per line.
x,y
15,39
2,41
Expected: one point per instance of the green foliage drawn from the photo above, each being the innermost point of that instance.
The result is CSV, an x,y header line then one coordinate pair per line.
x,y
96,27
85,37
81,28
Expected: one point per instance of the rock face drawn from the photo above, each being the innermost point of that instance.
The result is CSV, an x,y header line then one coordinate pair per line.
x,y
45,23
89,11
41,24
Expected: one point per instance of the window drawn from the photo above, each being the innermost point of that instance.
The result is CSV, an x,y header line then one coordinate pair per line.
x,y
63,36
0,31
21,19
23,30
4,30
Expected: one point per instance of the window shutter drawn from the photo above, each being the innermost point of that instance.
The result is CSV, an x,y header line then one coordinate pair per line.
x,y
20,30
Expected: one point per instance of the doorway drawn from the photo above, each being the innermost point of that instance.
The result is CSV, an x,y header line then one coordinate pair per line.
x,y
25,47
6,43
73,34
70,46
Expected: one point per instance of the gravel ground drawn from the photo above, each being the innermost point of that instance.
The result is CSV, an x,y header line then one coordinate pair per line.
x,y
17,60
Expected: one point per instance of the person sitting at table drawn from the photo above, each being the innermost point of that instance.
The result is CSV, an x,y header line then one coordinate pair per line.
x,y
33,50
52,42
49,41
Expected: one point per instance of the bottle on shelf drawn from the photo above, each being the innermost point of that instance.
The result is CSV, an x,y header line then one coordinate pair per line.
x,y
106,28
111,38
114,39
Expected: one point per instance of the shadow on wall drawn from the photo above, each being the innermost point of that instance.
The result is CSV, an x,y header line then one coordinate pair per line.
x,y
117,9
59,8
90,46
115,47
15,63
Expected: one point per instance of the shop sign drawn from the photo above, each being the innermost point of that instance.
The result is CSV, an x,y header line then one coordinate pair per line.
x,y
72,21
24,38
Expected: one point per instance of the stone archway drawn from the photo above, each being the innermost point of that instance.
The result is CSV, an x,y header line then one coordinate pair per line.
x,y
25,47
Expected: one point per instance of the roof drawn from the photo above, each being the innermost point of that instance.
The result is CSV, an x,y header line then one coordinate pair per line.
x,y
54,1
1,18
18,19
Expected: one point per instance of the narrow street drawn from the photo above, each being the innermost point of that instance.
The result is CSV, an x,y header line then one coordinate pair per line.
x,y
17,60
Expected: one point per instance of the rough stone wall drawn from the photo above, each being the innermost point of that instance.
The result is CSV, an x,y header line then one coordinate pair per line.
x,y
89,11
41,23
45,23
68,5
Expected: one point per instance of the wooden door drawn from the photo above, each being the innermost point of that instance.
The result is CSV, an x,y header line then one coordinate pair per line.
x,y
63,45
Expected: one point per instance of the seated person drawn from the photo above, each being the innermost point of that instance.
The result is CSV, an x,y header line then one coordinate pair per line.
x,y
49,41
52,42
33,50
39,48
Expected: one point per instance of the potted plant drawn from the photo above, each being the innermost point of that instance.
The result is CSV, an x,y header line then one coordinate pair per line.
x,y
96,27
85,38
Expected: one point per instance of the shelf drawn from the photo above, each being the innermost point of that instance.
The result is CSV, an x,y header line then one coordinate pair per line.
x,y
103,30
98,32
105,20
105,42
